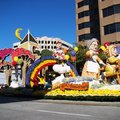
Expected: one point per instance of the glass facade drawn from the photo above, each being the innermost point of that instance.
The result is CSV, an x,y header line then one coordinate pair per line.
x,y
84,25
112,28
86,2
83,14
111,10
85,37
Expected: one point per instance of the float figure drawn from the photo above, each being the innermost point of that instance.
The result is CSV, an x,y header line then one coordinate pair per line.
x,y
92,65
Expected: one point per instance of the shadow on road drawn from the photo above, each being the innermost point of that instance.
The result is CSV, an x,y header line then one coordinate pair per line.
x,y
9,99
8,95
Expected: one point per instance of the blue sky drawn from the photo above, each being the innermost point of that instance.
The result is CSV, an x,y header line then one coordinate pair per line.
x,y
52,18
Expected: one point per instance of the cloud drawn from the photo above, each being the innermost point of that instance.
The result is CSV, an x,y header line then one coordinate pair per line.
x,y
61,68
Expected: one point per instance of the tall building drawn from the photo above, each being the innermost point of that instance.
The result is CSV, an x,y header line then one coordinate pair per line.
x,y
98,19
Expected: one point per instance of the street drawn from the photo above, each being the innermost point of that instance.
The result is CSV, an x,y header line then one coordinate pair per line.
x,y
33,109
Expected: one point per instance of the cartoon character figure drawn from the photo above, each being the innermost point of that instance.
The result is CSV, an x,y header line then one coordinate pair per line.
x,y
58,53
61,69
113,61
92,66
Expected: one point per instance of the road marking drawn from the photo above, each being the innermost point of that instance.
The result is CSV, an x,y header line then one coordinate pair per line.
x,y
63,113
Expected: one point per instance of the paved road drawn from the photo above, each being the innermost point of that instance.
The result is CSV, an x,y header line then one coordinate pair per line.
x,y
30,109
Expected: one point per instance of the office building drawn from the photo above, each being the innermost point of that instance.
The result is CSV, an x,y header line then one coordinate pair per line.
x,y
98,19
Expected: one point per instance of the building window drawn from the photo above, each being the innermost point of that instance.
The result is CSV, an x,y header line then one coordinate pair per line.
x,y
84,25
87,2
83,3
111,10
15,46
42,41
87,13
112,28
48,42
83,14
39,42
85,37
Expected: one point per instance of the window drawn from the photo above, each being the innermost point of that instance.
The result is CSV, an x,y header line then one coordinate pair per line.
x,y
84,25
83,3
88,13
112,28
83,14
87,2
48,42
111,10
15,46
85,37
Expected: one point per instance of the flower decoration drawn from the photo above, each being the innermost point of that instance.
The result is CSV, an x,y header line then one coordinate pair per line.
x,y
5,52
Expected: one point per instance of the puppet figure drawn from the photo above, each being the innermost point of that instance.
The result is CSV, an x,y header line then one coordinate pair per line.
x,y
113,61
92,66
58,53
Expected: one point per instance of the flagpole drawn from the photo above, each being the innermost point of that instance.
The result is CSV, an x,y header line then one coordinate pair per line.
x,y
28,39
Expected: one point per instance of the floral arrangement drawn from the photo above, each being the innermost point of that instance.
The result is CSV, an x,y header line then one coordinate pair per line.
x,y
89,92
38,65
5,52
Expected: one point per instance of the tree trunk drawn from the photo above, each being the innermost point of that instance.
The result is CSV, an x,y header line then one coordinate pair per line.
x,y
24,70
8,76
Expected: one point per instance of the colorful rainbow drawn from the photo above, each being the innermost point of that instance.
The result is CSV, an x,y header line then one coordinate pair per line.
x,y
39,64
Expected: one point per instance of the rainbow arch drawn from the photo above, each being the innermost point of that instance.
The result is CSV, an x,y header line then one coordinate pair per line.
x,y
39,64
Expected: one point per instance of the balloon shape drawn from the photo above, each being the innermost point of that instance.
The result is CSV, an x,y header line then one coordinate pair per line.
x,y
67,57
75,49
106,44
64,50
15,58
103,48
73,53
73,58
14,63
17,33
20,61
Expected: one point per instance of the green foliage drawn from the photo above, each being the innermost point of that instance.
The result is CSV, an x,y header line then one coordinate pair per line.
x,y
81,54
102,56
46,52
80,58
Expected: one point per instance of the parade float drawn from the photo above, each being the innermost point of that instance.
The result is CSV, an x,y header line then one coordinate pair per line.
x,y
55,76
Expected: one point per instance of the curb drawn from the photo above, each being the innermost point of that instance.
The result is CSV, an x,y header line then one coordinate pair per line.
x,y
87,103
